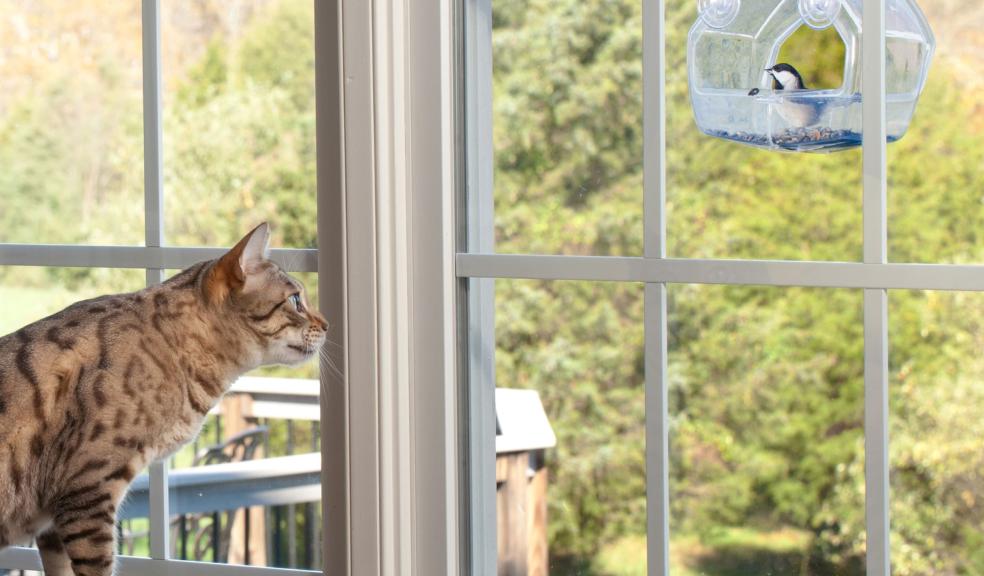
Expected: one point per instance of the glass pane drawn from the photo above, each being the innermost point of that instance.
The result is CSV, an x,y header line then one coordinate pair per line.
x,y
728,200
28,293
937,474
567,126
576,349
935,172
283,528
766,431
271,415
308,370
71,76
239,120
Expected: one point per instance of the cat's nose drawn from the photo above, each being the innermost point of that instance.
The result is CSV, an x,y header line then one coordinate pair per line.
x,y
320,321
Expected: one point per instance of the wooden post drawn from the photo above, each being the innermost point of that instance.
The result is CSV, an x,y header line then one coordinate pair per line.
x,y
235,409
511,508
538,560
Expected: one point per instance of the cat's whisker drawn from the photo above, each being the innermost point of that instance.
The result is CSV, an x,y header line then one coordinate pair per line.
x,y
330,363
335,344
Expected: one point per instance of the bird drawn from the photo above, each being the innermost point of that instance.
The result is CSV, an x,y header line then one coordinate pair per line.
x,y
786,77
801,112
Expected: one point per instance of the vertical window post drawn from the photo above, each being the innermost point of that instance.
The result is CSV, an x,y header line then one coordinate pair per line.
x,y
331,285
654,305
875,300
154,232
480,237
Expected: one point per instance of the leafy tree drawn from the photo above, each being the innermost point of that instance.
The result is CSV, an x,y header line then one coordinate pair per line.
x,y
766,384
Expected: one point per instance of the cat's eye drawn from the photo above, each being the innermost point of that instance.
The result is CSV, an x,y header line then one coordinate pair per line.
x,y
295,299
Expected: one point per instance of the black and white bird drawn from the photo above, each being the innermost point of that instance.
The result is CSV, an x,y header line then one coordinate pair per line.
x,y
799,113
785,77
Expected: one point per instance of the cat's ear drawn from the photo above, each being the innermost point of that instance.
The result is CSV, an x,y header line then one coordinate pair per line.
x,y
231,270
255,249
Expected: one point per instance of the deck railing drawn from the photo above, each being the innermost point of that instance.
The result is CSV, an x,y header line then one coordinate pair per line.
x,y
265,510
260,511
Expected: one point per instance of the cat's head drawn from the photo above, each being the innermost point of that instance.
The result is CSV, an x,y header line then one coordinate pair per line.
x,y
268,308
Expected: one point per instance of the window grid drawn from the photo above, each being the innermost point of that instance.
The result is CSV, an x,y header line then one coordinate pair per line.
x,y
875,276
155,258
480,237
154,236
654,298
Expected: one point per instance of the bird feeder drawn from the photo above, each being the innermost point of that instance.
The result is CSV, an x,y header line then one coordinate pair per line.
x,y
734,42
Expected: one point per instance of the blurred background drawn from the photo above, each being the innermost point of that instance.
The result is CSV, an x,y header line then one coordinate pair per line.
x,y
766,388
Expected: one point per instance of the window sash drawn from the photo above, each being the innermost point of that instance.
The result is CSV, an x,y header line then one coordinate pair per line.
x,y
874,275
156,258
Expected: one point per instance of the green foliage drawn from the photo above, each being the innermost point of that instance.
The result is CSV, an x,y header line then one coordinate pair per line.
x,y
766,385
240,145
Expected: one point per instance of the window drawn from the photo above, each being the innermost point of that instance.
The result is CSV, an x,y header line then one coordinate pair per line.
x,y
209,108
732,412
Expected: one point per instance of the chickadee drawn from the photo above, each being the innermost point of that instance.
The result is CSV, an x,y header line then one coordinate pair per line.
x,y
785,77
798,114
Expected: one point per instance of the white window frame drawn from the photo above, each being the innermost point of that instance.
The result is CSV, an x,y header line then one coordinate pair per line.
x,y
476,259
343,426
404,226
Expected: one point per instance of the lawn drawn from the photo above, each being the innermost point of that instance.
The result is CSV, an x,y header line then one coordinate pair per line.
x,y
727,552
20,305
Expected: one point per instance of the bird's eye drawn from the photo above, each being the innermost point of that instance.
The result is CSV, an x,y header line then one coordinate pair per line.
x,y
295,299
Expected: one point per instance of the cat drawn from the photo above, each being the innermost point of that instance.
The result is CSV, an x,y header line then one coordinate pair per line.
x,y
92,394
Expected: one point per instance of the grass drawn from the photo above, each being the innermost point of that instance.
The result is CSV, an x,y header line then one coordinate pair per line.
x,y
20,305
726,552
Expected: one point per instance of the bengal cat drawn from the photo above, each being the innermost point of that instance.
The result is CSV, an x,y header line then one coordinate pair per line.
x,y
92,394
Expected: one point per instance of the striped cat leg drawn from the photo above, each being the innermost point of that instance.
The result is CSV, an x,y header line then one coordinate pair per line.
x,y
85,521
53,556
89,545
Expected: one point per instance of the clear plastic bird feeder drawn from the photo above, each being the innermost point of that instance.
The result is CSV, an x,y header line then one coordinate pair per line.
x,y
734,41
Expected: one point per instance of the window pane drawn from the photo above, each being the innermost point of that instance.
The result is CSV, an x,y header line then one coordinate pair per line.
x,y
308,370
579,347
936,174
728,200
766,434
239,120
28,293
937,496
272,415
279,432
567,126
71,122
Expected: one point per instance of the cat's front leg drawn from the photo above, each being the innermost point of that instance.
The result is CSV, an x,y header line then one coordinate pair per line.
x,y
89,549
85,522
53,556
